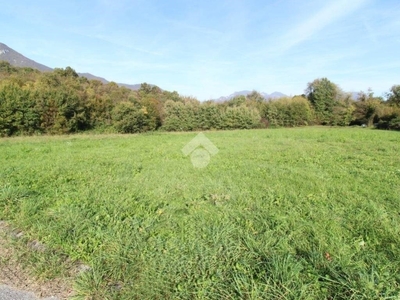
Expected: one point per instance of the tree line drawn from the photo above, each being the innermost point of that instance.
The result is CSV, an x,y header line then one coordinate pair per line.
x,y
62,102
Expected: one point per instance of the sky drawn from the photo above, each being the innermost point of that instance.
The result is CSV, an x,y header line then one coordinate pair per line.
x,y
207,49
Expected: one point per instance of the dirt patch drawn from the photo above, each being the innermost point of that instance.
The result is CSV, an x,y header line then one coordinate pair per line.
x,y
14,275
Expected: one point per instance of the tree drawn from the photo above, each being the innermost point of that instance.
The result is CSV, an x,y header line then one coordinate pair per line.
x,y
236,101
323,95
210,116
394,95
146,88
343,112
367,108
241,117
255,96
67,72
181,116
5,67
17,111
288,112
130,119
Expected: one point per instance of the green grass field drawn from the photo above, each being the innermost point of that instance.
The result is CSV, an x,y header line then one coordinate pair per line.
x,y
308,213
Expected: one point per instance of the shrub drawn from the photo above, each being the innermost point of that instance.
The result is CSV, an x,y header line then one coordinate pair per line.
x,y
180,116
288,112
395,123
210,116
241,117
18,114
127,118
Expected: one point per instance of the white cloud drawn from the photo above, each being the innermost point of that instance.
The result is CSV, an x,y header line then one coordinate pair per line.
x,y
331,13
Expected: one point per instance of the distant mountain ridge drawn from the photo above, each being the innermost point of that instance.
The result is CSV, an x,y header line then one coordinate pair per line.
x,y
133,87
16,59
93,77
266,96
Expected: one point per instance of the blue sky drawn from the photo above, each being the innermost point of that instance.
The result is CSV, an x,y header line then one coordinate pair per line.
x,y
208,49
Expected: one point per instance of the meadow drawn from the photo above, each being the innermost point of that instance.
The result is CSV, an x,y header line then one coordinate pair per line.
x,y
304,213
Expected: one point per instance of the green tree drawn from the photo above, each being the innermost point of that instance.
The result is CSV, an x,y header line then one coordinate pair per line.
x,y
236,101
241,117
181,116
255,96
368,108
127,118
6,68
343,112
67,72
394,95
288,112
324,96
62,110
210,116
18,114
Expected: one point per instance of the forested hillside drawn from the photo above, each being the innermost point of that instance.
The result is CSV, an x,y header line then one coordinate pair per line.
x,y
62,102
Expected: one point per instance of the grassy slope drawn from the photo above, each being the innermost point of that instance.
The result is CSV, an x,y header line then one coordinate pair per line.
x,y
307,213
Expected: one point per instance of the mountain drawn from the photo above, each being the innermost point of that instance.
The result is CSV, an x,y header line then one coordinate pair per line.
x,y
275,95
93,77
18,60
241,93
266,96
134,87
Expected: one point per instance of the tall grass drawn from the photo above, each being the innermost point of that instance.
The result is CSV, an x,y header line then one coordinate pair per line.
x,y
310,213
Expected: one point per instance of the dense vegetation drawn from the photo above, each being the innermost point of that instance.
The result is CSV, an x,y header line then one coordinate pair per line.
x,y
62,102
303,213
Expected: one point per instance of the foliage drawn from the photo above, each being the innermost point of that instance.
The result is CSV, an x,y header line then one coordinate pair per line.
x,y
323,95
394,123
61,102
210,116
130,119
394,95
288,112
240,117
236,101
343,112
255,97
191,115
6,68
18,113
368,108
388,118
180,116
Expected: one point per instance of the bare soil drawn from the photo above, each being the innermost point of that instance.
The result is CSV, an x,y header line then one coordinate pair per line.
x,y
15,276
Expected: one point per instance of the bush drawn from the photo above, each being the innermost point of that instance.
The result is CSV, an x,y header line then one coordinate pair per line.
x,y
210,116
240,117
180,116
288,112
342,113
129,119
388,117
18,114
395,123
